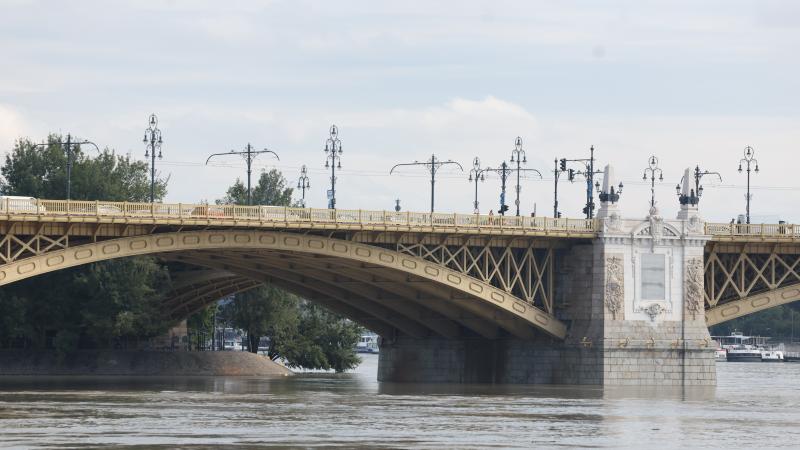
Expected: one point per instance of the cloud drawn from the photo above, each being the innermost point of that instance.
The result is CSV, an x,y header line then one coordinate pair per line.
x,y
12,127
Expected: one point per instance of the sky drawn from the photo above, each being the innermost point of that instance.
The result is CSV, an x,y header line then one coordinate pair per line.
x,y
690,82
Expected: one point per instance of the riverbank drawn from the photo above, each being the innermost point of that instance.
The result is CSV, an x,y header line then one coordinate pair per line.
x,y
147,363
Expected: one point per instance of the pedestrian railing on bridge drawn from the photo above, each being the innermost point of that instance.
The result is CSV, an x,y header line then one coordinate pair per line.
x,y
741,231
238,215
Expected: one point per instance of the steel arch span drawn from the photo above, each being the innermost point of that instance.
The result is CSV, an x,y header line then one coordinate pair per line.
x,y
389,289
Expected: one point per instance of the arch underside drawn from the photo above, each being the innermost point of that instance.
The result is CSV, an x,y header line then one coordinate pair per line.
x,y
384,290
745,278
752,304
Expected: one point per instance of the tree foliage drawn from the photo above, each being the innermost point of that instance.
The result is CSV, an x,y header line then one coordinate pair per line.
x,y
270,189
97,305
40,171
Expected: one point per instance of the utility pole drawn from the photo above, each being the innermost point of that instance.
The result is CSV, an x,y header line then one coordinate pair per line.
x,y
519,153
504,171
477,174
588,173
693,197
653,169
333,155
749,154
152,141
67,148
556,174
303,183
249,154
432,166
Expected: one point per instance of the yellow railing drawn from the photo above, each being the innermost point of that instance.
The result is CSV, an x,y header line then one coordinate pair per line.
x,y
766,230
261,214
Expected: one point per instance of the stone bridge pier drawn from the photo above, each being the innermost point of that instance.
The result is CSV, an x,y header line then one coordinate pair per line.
x,y
632,299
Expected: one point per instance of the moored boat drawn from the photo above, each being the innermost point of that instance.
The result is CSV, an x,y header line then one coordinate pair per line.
x,y
743,353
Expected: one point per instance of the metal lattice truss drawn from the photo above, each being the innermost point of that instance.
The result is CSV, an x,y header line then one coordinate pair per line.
x,y
525,272
741,279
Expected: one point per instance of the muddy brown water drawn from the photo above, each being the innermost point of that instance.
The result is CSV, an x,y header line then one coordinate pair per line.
x,y
755,405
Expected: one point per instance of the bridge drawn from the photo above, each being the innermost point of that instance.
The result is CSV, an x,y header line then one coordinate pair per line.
x,y
575,295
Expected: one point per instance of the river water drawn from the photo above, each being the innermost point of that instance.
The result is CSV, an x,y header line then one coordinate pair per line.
x,y
755,405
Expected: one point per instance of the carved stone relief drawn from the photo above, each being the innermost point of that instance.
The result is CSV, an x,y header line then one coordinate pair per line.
x,y
614,290
694,286
653,310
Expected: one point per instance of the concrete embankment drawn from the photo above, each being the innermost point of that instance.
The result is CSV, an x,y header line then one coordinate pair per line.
x,y
122,362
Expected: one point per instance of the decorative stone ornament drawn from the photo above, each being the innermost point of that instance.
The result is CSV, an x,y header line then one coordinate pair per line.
x,y
694,286
653,310
614,290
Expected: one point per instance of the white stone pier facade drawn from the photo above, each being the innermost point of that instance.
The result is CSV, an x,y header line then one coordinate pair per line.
x,y
633,299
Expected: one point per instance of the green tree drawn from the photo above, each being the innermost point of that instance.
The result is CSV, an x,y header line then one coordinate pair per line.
x,y
323,340
40,171
265,311
93,305
270,189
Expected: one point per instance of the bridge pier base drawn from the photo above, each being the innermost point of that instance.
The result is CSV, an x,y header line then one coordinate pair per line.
x,y
633,301
514,361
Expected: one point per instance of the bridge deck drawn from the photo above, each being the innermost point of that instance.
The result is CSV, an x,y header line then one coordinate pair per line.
x,y
273,217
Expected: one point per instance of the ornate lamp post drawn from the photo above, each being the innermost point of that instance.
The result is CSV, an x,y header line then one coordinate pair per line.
x,y
303,183
249,154
612,196
333,159
654,170
152,141
518,156
477,174
693,196
749,158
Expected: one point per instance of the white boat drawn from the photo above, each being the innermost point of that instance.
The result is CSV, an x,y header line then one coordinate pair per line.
x,y
743,353
721,355
772,356
368,343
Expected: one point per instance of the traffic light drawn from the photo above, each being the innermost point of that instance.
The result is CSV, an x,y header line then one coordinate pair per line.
x,y
563,166
571,174
559,214
503,209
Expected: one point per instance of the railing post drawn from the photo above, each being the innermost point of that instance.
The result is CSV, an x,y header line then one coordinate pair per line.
x,y
408,218
67,211
359,215
97,208
285,214
153,210
384,217
180,210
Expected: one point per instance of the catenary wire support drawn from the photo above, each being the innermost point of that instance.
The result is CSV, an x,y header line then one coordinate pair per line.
x,y
432,166
249,154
